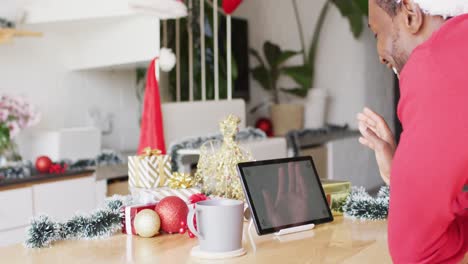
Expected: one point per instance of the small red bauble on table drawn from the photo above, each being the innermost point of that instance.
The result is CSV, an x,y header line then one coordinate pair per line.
x,y
43,164
265,125
172,210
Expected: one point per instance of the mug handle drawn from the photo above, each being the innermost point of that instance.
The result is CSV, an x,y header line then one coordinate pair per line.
x,y
190,225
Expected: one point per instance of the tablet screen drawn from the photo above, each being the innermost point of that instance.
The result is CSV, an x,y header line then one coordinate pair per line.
x,y
284,193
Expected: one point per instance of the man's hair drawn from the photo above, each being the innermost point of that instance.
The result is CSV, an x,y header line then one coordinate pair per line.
x,y
390,6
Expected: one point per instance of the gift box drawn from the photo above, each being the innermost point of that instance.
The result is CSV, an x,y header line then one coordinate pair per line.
x,y
129,215
143,195
336,192
149,170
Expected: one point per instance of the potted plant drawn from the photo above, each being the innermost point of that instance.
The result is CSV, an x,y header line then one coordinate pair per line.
x,y
15,115
304,74
285,117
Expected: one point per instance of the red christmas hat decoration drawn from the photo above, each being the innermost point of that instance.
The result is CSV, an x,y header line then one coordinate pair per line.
x,y
152,131
229,6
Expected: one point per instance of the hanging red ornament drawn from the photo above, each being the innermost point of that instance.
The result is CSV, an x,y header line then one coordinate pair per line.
x,y
172,210
265,125
229,6
43,164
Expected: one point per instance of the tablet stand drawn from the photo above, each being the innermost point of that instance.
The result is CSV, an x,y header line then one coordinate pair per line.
x,y
296,229
252,242
278,234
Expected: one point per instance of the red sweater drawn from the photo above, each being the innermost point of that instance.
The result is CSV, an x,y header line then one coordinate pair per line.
x,y
428,219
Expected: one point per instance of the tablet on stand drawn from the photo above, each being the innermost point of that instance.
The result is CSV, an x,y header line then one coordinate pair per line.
x,y
285,196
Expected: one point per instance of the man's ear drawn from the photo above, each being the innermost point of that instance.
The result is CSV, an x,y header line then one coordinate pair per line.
x,y
413,15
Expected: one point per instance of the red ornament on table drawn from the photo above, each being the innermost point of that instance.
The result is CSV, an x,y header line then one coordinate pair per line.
x,y
172,210
43,164
265,125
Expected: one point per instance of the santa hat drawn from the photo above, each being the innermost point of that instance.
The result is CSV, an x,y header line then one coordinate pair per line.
x,y
445,8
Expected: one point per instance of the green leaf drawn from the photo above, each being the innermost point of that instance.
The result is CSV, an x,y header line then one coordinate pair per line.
x,y
316,36
345,6
301,92
257,56
261,75
272,53
363,6
302,75
354,11
286,55
357,25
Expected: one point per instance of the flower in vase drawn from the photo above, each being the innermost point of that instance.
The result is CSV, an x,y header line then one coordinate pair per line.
x,y
16,114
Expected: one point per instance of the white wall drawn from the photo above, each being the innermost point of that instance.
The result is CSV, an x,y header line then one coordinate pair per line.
x,y
31,67
348,69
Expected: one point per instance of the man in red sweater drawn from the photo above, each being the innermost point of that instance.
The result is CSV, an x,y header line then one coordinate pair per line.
x,y
426,43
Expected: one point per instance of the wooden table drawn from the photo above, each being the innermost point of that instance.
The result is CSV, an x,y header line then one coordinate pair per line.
x,y
343,241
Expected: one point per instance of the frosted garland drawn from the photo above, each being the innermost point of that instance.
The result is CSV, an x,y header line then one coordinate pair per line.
x,y
361,205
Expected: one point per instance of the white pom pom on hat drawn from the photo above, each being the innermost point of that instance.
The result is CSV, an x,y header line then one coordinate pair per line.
x,y
445,8
167,59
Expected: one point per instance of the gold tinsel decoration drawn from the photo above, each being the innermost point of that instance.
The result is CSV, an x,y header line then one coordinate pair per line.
x,y
216,169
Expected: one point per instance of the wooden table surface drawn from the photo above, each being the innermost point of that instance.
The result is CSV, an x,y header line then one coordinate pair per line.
x,y
343,241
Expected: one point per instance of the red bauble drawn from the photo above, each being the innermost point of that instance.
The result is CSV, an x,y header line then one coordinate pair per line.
x,y
230,6
265,125
172,210
43,164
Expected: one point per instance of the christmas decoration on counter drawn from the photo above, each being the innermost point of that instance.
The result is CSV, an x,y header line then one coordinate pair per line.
x,y
4,23
152,130
167,59
104,222
16,114
216,170
243,135
147,223
149,170
129,214
57,168
172,211
337,193
25,169
43,164
361,205
265,125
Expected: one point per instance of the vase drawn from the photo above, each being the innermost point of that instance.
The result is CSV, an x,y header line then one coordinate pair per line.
x,y
9,155
315,108
286,117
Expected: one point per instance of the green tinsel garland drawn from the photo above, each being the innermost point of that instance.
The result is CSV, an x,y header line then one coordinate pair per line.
x,y
361,205
101,223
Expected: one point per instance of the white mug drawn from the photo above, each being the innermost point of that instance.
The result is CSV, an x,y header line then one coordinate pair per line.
x,y
220,224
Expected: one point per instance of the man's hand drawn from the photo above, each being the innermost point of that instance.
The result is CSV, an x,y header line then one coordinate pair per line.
x,y
279,207
376,135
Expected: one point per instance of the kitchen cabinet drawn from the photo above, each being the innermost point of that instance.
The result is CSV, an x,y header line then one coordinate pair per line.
x,y
16,208
103,34
63,199
59,198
